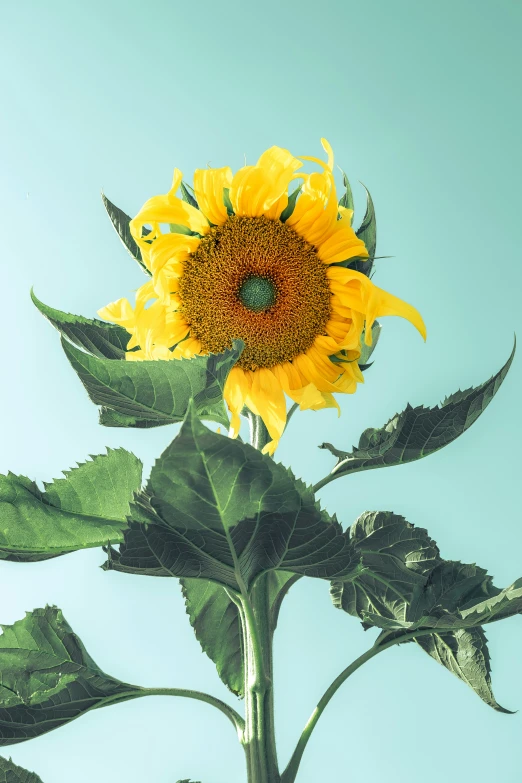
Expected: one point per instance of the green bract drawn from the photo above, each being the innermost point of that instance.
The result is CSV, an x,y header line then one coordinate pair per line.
x,y
238,529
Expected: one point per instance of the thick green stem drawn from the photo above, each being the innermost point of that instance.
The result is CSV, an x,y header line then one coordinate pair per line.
x,y
290,772
259,735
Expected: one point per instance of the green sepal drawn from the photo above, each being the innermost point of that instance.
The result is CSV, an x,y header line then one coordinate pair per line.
x,y
288,210
120,221
418,432
154,393
86,509
367,231
227,202
178,228
48,678
11,773
187,196
99,338
347,198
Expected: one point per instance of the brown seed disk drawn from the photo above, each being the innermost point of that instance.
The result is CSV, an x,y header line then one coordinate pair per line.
x,y
255,246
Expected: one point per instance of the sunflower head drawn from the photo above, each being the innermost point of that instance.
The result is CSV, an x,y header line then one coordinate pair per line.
x,y
262,255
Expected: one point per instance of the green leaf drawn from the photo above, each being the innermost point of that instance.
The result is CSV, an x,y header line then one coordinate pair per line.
x,y
394,558
11,773
216,622
418,432
403,585
465,654
97,337
48,678
154,393
121,221
87,508
217,625
218,509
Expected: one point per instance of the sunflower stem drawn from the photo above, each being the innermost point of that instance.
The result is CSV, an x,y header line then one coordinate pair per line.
x,y
259,733
290,773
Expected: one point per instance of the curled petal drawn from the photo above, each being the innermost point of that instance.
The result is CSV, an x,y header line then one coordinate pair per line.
x,y
209,185
262,189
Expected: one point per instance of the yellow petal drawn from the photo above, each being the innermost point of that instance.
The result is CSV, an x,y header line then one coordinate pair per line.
x,y
315,213
262,189
208,188
236,390
341,244
268,399
353,291
166,208
119,312
187,349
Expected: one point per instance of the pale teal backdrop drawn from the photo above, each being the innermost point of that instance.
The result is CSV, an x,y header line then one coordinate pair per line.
x,y
421,103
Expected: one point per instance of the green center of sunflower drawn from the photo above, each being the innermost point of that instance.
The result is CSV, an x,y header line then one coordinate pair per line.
x,y
257,293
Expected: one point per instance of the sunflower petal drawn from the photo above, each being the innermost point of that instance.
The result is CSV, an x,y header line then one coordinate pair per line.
x,y
262,189
166,208
208,187
268,399
236,390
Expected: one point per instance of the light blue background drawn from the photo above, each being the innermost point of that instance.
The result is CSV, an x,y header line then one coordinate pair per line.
x,y
420,102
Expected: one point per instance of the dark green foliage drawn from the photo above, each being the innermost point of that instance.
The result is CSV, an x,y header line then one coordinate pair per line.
x,y
11,773
87,508
48,678
404,586
218,509
154,393
216,623
417,432
215,619
97,337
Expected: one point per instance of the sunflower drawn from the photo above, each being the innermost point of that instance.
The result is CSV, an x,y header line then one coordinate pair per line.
x,y
244,259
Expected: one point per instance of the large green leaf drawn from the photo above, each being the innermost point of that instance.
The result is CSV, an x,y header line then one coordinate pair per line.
x,y
218,509
404,586
153,393
457,595
48,678
121,221
11,773
465,654
418,432
394,558
217,625
87,508
97,337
